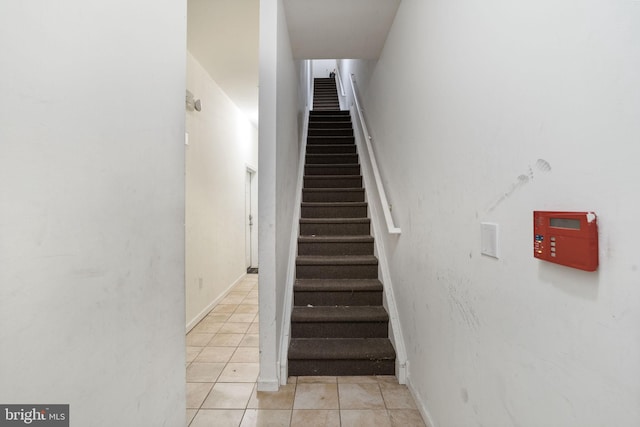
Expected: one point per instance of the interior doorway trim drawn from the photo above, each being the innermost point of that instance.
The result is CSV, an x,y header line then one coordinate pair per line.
x,y
251,219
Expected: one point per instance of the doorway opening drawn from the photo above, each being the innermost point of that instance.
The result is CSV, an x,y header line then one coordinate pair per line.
x,y
251,228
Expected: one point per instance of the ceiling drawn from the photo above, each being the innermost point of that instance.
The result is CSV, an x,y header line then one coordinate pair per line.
x,y
223,36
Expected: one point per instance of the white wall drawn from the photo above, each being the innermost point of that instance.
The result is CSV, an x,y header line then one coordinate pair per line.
x,y
322,67
222,143
92,209
280,111
486,112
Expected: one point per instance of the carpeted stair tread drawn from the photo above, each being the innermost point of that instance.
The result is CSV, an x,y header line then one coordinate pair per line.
x,y
331,149
305,204
335,221
334,239
337,285
341,348
332,190
337,112
332,158
339,169
339,314
330,139
336,260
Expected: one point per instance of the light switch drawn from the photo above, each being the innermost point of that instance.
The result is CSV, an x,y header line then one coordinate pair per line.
x,y
489,239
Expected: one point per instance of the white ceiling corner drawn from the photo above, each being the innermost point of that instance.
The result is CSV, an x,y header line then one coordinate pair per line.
x,y
223,35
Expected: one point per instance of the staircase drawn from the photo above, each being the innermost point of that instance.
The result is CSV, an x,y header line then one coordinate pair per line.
x,y
338,323
325,95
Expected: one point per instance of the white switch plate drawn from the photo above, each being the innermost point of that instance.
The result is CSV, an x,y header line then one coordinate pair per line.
x,y
489,239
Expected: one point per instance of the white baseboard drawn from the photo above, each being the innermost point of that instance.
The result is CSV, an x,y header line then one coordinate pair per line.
x,y
426,416
268,385
212,304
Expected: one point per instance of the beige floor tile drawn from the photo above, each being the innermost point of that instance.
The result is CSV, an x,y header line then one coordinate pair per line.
x,y
365,418
244,286
360,396
217,418
204,372
316,396
317,380
234,328
195,339
250,340
358,380
292,380
247,309
218,317
224,308
242,317
215,355
315,418
207,327
406,418
281,399
192,353
387,379
253,294
250,300
196,393
229,396
190,414
240,372
245,355
254,328
226,340
266,418
397,396
234,298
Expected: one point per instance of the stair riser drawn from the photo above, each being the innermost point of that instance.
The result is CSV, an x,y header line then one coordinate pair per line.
x,y
329,124
328,140
341,367
337,120
334,212
337,271
331,132
332,159
326,182
317,298
331,149
333,196
335,248
339,330
332,170
335,229
335,113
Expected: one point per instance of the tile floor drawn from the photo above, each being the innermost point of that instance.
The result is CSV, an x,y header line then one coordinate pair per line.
x,y
222,369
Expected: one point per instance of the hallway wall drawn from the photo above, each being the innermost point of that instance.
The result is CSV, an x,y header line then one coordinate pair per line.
x,y
281,111
486,112
92,209
222,143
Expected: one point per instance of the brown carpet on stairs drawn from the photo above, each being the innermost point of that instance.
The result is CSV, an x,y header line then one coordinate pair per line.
x,y
338,323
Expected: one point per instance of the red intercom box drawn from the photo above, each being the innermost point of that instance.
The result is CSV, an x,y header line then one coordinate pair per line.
x,y
566,238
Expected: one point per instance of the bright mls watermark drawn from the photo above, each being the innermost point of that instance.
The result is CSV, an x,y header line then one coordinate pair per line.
x,y
34,415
